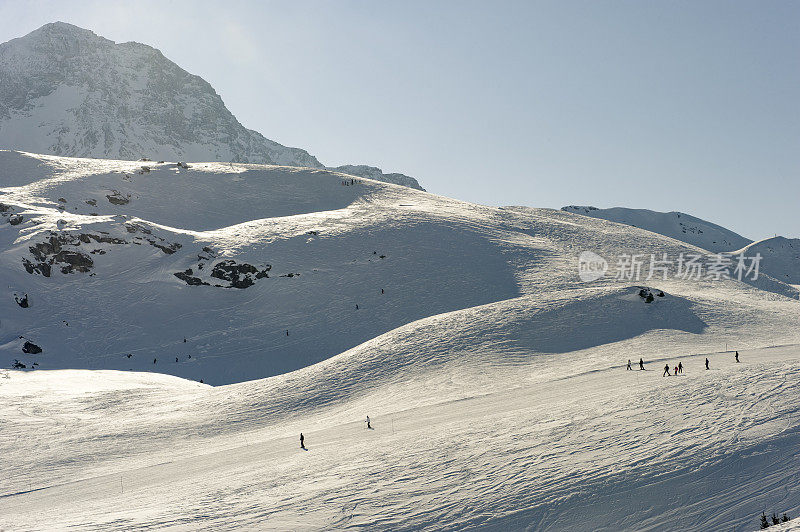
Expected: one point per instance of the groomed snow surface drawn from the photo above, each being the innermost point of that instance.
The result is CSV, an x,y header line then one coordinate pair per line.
x,y
604,449
494,378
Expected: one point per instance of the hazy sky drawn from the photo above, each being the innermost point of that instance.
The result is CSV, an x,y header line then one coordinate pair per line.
x,y
691,106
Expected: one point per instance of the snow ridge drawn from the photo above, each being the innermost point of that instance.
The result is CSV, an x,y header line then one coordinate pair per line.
x,y
677,225
780,255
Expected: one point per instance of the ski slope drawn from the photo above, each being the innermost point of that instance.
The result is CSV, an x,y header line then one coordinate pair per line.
x,y
493,375
600,449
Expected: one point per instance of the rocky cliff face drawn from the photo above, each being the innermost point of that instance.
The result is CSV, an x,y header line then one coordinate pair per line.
x,y
67,91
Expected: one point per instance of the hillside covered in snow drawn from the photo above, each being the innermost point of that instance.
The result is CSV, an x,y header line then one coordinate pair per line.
x,y
263,269
67,91
782,255
677,225
494,375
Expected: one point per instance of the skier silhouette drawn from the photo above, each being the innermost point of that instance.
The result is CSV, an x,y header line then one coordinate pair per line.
x,y
302,440
737,356
641,364
666,370
155,360
676,371
368,424
706,363
680,367
629,365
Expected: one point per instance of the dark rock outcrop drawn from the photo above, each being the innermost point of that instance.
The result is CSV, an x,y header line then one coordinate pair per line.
x,y
30,348
239,275
187,277
118,198
73,261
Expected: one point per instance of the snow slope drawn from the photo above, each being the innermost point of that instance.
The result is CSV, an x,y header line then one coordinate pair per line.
x,y
67,91
590,449
780,256
675,225
493,375
317,250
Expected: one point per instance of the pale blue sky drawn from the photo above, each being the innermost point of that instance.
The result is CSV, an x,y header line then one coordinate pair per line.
x,y
691,106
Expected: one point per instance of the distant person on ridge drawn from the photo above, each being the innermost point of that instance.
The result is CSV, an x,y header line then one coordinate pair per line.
x,y
706,363
666,370
641,364
737,356
629,365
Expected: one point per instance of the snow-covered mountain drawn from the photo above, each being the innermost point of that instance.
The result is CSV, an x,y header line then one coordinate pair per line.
x,y
493,375
780,256
677,225
67,91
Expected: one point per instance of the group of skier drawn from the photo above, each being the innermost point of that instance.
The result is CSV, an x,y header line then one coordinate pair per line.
x,y
677,369
641,364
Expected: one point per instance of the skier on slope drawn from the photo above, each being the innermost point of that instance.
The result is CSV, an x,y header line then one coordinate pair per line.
x,y
666,370
680,367
737,356
676,371
629,365
368,424
706,363
302,441
641,364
